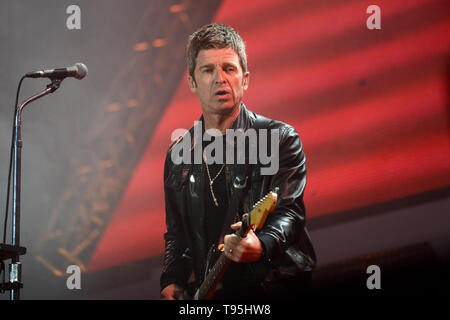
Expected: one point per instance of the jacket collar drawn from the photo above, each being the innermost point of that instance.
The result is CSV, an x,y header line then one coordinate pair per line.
x,y
244,120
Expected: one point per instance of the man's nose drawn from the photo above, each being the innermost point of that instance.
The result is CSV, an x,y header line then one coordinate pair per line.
x,y
220,76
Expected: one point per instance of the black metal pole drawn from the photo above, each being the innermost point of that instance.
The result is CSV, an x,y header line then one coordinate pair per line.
x,y
15,268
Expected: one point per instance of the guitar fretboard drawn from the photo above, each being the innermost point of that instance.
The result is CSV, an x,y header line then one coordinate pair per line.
x,y
211,280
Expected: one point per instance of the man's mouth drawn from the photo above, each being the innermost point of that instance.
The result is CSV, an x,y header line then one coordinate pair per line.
x,y
221,92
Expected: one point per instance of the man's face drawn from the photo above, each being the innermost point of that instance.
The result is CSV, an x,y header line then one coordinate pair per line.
x,y
219,80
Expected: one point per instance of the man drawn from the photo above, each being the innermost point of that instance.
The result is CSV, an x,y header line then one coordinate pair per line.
x,y
275,261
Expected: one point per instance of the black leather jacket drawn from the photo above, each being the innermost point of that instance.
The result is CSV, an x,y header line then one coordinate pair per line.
x,y
288,251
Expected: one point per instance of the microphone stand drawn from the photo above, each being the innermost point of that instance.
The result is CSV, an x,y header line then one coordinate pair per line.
x,y
15,268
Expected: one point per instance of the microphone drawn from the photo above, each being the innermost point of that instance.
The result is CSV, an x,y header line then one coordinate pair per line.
x,y
79,71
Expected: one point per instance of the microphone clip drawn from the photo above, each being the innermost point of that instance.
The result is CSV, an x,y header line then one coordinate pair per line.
x,y
54,85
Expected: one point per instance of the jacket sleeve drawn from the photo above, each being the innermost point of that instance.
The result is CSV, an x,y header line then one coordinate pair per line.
x,y
285,226
176,268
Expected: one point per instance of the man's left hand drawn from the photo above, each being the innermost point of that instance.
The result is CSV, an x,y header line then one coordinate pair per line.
x,y
248,249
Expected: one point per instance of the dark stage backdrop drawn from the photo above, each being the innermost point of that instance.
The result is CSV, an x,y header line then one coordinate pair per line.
x,y
371,108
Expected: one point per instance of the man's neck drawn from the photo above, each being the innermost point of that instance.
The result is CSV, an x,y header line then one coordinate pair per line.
x,y
221,122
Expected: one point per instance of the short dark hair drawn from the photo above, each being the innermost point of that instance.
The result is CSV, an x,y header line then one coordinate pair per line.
x,y
214,36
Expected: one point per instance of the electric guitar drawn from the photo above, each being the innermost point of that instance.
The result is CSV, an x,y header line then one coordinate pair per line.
x,y
255,219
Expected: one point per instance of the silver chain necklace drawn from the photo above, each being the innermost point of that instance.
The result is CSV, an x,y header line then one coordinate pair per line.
x,y
211,181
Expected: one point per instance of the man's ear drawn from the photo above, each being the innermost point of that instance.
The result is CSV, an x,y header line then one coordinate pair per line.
x,y
192,84
245,80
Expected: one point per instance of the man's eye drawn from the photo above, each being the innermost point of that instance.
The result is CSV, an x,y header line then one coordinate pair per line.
x,y
207,70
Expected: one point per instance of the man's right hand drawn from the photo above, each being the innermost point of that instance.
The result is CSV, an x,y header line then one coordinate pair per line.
x,y
172,292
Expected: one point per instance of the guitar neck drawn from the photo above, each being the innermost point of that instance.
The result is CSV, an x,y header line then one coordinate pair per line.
x,y
206,290
256,219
